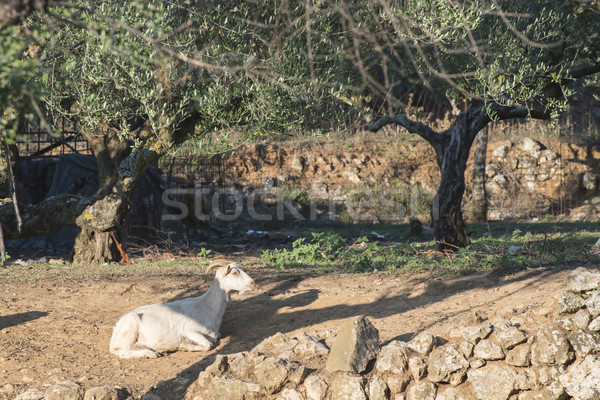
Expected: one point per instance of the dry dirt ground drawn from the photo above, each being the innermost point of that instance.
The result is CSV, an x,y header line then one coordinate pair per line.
x,y
56,329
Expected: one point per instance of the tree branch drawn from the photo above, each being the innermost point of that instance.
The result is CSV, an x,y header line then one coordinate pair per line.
x,y
501,112
52,213
418,128
583,72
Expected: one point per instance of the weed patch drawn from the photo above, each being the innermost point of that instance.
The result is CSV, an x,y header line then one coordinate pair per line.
x,y
516,249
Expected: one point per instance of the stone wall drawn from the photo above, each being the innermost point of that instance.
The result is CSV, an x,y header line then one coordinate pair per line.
x,y
524,176
487,360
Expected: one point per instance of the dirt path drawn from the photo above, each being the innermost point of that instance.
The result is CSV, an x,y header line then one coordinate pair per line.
x,y
53,330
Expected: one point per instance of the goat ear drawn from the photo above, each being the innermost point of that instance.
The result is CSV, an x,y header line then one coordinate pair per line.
x,y
228,269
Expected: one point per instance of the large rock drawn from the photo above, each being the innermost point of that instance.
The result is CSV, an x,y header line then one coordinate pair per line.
x,y
422,343
393,358
531,146
66,390
31,394
593,303
101,393
583,343
520,355
423,390
473,334
583,279
447,364
316,387
589,181
551,347
488,350
582,379
493,382
417,367
378,389
454,393
508,335
570,302
272,373
232,389
243,365
275,345
347,387
356,344
582,319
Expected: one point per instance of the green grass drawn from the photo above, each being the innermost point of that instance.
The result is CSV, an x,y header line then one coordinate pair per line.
x,y
41,271
493,247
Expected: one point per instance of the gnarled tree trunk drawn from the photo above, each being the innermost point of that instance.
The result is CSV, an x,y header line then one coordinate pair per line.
x,y
479,197
452,149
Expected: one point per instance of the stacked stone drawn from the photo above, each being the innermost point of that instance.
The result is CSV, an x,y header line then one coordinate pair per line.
x,y
494,360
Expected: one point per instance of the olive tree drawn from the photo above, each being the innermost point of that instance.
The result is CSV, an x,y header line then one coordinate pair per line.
x,y
501,59
141,77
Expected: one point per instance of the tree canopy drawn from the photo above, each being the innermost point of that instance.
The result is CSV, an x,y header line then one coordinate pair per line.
x,y
140,77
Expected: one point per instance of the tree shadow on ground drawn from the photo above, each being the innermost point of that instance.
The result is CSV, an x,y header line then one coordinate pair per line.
x,y
6,321
264,314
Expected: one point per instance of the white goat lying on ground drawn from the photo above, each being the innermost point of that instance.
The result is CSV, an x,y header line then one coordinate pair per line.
x,y
189,324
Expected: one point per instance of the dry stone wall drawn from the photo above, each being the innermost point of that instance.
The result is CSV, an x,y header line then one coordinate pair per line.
x,y
522,176
487,360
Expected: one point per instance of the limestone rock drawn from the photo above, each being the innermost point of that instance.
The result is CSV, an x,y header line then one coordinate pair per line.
x,y
583,279
589,181
508,335
520,355
355,345
582,319
347,387
570,302
526,379
378,389
593,303
417,368
316,387
493,382
500,151
422,343
272,373
290,394
531,146
66,390
565,322
231,389
582,379
275,345
551,347
594,326
393,358
31,394
308,346
474,334
423,390
466,348
554,391
583,343
488,350
444,362
454,393
242,365
101,393
397,383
